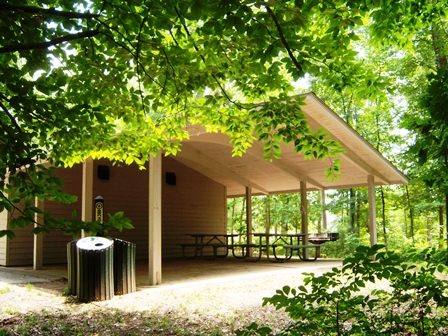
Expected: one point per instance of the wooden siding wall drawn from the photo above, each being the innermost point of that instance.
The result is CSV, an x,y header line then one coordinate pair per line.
x,y
55,243
19,250
127,191
194,204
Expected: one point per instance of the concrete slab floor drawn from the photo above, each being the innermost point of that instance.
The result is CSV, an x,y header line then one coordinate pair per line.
x,y
181,271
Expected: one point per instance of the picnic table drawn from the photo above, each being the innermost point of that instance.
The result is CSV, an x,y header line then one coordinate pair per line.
x,y
264,242
282,245
209,244
287,243
303,246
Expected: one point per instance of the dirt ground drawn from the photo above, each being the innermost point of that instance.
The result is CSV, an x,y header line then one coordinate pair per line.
x,y
229,294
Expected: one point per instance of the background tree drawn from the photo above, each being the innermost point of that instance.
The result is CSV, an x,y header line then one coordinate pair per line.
x,y
426,69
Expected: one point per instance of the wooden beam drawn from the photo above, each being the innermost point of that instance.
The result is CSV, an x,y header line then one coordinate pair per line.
x,y
368,169
201,162
256,151
249,228
38,252
155,220
372,210
317,111
304,215
87,192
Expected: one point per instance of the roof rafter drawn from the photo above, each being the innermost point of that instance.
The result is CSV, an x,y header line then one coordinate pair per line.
x,y
316,110
350,155
285,167
199,161
257,151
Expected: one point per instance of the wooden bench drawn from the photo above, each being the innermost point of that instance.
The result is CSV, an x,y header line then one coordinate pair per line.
x,y
289,249
199,249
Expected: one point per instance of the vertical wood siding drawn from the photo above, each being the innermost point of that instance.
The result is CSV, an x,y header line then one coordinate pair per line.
x,y
55,243
20,248
127,191
194,204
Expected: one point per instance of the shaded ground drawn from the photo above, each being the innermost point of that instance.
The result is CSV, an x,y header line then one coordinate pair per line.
x,y
204,297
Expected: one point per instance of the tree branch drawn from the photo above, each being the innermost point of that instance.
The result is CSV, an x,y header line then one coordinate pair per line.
x,y
137,61
167,59
129,50
51,43
10,116
142,67
187,31
21,212
283,39
46,12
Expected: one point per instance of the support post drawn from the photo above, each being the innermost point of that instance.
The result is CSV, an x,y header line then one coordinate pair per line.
x,y
38,238
372,209
249,229
87,192
304,215
155,220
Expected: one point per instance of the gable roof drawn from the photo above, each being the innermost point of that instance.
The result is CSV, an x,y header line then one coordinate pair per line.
x,y
211,155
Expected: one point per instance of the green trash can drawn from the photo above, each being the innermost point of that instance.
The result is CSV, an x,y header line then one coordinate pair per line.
x,y
95,277
124,267
72,266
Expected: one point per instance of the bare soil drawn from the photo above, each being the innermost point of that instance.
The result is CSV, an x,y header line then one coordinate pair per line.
x,y
219,305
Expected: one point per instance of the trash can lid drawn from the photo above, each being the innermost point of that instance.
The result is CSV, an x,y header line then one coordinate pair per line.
x,y
94,243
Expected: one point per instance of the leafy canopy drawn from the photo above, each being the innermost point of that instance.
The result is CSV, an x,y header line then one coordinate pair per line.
x,y
123,80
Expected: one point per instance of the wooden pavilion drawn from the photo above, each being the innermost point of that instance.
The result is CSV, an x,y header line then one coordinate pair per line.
x,y
188,192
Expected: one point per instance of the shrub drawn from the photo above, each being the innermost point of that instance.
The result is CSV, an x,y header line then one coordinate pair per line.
x,y
374,293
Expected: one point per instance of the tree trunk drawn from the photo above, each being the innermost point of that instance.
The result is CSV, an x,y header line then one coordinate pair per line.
x,y
324,211
446,222
411,214
242,215
405,225
358,215
284,219
232,216
429,220
268,213
383,212
438,43
441,227
352,208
